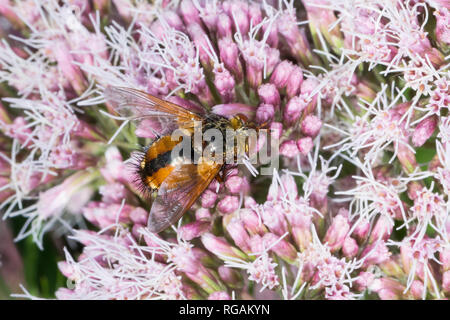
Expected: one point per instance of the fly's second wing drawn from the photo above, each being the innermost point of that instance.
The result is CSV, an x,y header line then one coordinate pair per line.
x,y
178,192
138,106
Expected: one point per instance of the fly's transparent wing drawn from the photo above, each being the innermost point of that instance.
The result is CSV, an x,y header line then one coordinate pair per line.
x,y
144,109
178,192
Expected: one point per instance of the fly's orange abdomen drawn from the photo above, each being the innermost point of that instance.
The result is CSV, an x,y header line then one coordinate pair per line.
x,y
156,164
157,178
160,146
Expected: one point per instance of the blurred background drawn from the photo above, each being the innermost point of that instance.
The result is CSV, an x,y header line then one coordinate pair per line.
x,y
22,263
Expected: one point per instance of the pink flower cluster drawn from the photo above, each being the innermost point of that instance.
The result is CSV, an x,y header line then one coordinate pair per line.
x,y
357,93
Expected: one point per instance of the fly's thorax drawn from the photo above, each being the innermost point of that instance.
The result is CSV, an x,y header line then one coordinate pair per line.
x,y
216,122
233,140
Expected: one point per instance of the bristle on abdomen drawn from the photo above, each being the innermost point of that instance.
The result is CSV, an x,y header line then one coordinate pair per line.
x,y
155,164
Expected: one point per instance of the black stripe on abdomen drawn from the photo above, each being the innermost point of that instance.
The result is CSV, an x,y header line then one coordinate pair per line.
x,y
161,161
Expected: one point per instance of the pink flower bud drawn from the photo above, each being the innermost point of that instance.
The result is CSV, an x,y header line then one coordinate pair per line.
x,y
350,247
337,232
61,53
208,199
7,10
272,39
202,214
254,67
66,269
274,192
294,82
215,186
274,219
276,130
413,188
209,12
309,85
199,38
441,3
53,201
387,289
241,21
88,131
293,110
104,215
139,215
65,156
228,204
364,280
311,125
194,229
113,193
446,281
219,245
151,241
136,231
124,8
382,229
187,262
18,129
65,294
289,149
219,295
256,243
269,94
444,258
115,169
234,184
375,253
297,43
301,224
272,56
232,109
232,172
189,12
289,185
282,248
158,29
264,113
423,131
249,202
224,26
255,13
230,276
406,157
224,83
229,55
252,222
442,24
237,232
231,6
417,289
305,145
173,19
281,74
361,230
